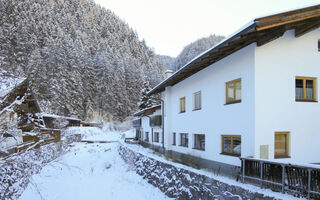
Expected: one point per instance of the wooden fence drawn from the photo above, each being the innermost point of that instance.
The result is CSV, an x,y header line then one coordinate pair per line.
x,y
301,179
46,136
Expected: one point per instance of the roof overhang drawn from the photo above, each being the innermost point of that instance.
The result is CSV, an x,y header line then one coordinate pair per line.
x,y
147,111
260,31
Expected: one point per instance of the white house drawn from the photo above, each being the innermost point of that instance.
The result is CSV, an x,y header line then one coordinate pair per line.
x,y
255,94
148,127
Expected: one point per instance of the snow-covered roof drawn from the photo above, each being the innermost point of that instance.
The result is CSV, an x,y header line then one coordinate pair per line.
x,y
8,82
59,117
260,30
140,112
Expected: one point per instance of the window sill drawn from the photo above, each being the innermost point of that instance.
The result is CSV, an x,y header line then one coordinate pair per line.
x,y
232,102
306,100
183,146
199,149
279,157
196,109
182,112
230,154
173,144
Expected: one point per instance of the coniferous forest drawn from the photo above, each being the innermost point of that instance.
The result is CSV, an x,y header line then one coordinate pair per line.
x,y
189,52
80,59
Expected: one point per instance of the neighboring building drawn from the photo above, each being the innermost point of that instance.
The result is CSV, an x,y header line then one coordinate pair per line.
x,y
255,94
58,121
19,110
148,127
91,124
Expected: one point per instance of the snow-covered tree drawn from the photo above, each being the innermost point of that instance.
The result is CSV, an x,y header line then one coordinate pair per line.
x,y
81,59
146,101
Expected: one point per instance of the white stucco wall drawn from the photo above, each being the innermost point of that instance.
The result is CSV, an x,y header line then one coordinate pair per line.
x,y
276,66
145,126
215,118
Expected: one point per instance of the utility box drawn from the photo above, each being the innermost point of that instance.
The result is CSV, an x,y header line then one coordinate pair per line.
x,y
264,151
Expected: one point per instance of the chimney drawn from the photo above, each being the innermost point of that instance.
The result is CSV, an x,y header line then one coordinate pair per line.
x,y
168,73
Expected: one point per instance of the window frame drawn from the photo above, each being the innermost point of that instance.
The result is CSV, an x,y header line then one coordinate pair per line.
x,y
304,79
234,92
156,137
182,99
187,143
174,135
146,139
287,135
194,141
232,151
194,101
319,45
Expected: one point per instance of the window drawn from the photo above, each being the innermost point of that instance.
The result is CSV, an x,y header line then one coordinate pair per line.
x,y
197,100
318,45
199,141
233,91
184,139
281,144
182,104
156,137
146,137
138,134
305,89
231,144
174,138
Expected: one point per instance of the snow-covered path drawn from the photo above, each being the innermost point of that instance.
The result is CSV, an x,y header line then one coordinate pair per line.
x,y
90,171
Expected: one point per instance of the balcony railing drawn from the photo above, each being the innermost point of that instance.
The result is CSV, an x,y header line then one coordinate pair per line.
x,y
294,178
136,123
156,120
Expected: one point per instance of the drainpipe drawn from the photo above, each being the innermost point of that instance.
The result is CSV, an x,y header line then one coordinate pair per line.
x,y
162,122
151,128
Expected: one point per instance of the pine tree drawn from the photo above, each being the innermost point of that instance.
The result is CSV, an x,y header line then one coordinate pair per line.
x,y
145,101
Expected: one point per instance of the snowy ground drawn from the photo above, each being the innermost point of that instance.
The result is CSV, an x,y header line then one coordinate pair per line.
x,y
96,171
90,171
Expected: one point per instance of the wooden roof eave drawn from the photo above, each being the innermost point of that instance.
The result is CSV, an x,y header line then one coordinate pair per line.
x,y
287,17
188,68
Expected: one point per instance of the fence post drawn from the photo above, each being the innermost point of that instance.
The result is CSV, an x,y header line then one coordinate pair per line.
x,y
283,177
309,183
243,169
261,174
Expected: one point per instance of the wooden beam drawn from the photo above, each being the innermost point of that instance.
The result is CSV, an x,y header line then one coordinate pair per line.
x,y
301,30
286,20
269,38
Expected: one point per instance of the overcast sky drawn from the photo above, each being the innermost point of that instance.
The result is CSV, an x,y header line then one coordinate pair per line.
x,y
169,25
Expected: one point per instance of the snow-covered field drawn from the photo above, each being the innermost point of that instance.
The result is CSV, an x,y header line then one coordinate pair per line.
x,y
90,171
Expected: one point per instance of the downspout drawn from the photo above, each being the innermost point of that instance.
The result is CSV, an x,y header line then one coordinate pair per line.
x,y
151,128
162,122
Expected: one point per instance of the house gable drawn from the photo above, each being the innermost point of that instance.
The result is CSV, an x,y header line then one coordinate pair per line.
x,y
261,31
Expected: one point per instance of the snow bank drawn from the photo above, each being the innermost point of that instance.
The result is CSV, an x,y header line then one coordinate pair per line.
x,y
130,133
107,133
16,170
8,82
90,171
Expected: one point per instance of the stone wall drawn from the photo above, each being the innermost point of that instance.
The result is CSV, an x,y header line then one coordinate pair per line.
x,y
180,183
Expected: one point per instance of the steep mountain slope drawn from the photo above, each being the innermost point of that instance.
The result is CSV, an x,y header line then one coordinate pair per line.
x,y
167,61
189,52
81,59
